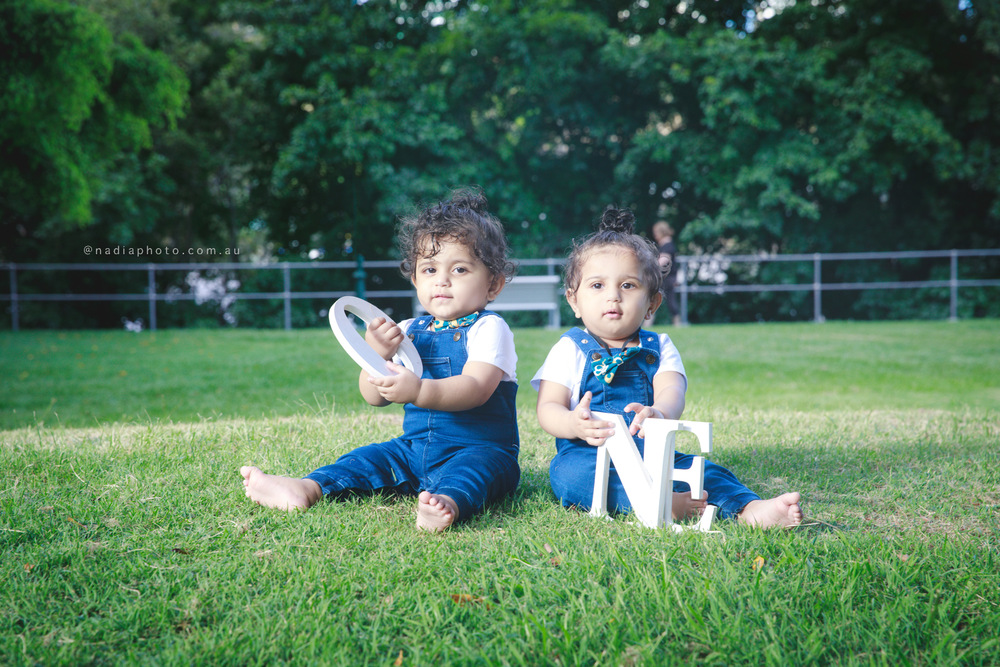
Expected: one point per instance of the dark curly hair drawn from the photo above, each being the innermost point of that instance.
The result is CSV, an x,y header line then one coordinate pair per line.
x,y
617,228
463,218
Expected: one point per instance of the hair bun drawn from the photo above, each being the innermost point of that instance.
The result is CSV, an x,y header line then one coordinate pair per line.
x,y
472,199
618,220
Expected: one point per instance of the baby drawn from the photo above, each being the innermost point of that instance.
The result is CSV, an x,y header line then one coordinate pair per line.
x,y
612,365
459,446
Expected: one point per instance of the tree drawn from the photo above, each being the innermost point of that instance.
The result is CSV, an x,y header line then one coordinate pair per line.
x,y
74,99
832,126
354,128
754,125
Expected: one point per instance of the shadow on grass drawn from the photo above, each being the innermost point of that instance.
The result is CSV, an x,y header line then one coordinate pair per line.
x,y
819,527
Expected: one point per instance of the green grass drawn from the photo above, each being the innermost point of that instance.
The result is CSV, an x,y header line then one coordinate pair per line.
x,y
92,378
125,537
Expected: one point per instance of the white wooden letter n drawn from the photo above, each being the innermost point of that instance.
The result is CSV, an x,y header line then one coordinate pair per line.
x,y
648,479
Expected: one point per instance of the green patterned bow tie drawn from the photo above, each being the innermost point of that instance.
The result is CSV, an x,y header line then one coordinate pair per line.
x,y
438,325
605,368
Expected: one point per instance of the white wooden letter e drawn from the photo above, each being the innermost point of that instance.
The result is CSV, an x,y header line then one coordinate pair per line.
x,y
648,480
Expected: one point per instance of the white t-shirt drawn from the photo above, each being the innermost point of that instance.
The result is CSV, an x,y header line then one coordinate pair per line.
x,y
489,340
566,364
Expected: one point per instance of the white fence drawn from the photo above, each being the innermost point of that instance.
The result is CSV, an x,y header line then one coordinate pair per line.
x,y
710,272
818,287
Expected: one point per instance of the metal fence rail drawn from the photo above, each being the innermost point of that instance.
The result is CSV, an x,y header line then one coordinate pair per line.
x,y
817,286
685,287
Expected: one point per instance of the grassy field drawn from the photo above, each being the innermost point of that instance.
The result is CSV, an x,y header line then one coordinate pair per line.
x,y
95,378
125,537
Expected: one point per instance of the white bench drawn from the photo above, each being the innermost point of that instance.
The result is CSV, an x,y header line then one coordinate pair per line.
x,y
524,293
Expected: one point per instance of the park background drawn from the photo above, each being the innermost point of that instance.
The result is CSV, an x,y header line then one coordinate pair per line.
x,y
263,132
298,131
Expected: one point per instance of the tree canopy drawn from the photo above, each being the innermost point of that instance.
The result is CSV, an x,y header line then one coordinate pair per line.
x,y
302,129
77,102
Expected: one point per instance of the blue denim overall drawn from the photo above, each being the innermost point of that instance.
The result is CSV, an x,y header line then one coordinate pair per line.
x,y
571,472
470,456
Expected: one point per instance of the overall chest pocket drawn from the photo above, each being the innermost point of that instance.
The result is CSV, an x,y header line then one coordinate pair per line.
x,y
437,367
630,386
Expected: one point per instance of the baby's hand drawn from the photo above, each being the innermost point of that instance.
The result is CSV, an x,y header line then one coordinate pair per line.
x,y
404,387
588,429
384,336
641,413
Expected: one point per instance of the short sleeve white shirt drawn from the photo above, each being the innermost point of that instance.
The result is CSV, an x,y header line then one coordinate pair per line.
x,y
489,340
566,363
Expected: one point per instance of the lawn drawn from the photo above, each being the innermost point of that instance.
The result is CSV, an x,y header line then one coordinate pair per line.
x,y
126,537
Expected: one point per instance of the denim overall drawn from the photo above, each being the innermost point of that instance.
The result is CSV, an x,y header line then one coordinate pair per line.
x,y
470,456
571,472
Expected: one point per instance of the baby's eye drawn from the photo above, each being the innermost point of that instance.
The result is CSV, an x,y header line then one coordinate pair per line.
x,y
428,270
596,285
629,286
461,269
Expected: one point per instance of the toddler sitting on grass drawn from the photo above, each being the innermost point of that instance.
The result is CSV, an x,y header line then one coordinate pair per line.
x,y
460,444
612,365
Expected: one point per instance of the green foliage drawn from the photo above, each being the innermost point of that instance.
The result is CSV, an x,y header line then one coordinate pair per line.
x,y
824,129
76,100
59,60
311,125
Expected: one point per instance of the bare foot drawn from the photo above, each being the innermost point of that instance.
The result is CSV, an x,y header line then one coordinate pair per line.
x,y
435,511
781,511
683,506
283,493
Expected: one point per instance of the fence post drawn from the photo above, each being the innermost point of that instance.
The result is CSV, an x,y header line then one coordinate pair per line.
x,y
151,289
683,285
954,286
15,315
817,288
359,276
287,275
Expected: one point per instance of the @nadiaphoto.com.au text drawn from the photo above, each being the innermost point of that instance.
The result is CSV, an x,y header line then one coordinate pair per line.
x,y
159,251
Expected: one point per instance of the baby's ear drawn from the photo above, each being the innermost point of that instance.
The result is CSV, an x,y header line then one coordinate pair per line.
x,y
655,302
571,300
499,282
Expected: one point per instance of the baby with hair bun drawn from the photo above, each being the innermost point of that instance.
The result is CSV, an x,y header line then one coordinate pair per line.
x,y
611,364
